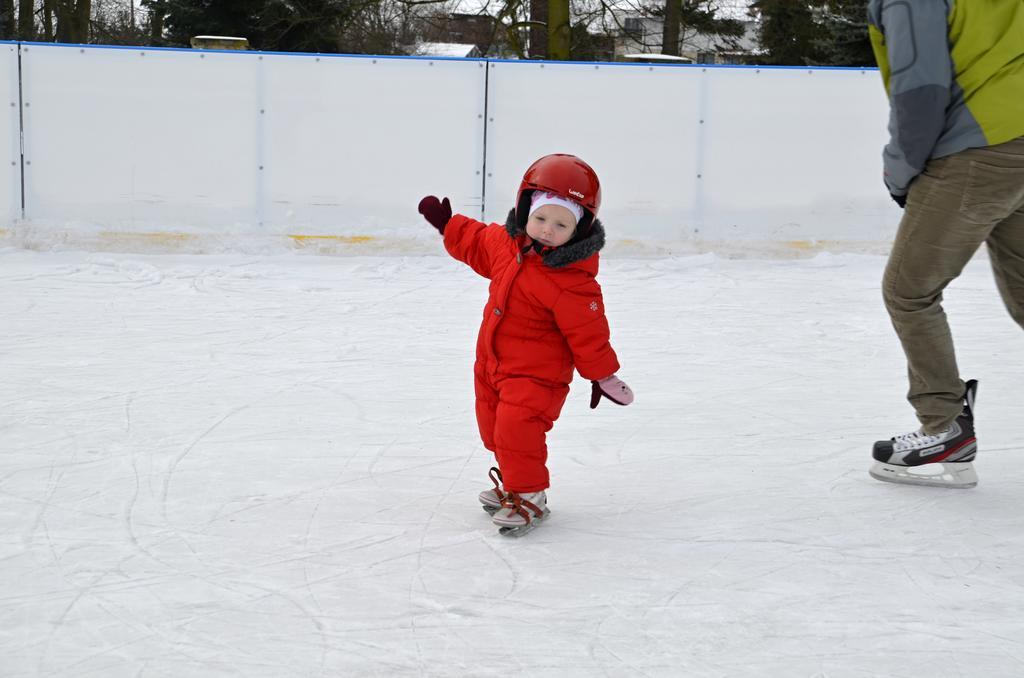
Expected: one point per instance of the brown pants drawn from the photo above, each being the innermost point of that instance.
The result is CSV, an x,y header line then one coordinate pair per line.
x,y
956,204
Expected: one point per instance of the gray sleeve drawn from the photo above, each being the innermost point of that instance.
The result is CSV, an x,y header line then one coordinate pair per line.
x,y
920,84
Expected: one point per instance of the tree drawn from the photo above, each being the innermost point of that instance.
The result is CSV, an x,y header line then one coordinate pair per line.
x,y
184,19
512,19
155,22
683,18
556,29
49,12
588,46
8,22
389,26
313,25
326,26
559,33
790,35
845,41
72,20
539,28
114,23
26,20
816,33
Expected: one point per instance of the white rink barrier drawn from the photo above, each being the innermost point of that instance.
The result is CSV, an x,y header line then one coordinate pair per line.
x,y
10,144
187,150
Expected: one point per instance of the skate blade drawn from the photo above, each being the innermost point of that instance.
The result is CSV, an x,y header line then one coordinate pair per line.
x,y
491,510
954,475
520,530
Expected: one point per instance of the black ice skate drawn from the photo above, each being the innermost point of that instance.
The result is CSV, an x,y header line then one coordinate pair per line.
x,y
942,460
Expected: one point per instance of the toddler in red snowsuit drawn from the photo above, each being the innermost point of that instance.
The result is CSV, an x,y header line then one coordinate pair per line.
x,y
544,317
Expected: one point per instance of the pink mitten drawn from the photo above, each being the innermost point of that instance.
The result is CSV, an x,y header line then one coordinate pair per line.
x,y
612,388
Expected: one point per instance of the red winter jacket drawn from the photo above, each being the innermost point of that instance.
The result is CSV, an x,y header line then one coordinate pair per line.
x,y
545,314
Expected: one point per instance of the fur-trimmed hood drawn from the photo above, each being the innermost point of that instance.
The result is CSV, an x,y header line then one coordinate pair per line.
x,y
569,253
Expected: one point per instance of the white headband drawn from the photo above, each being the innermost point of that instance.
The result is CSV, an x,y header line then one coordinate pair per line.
x,y
541,198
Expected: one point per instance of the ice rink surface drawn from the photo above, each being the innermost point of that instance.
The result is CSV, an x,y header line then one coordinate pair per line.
x,y
267,466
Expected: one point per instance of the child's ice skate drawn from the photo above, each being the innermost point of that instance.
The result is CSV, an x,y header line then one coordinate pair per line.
x,y
942,460
491,497
520,513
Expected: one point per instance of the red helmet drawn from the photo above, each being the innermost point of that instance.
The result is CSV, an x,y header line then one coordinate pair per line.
x,y
564,175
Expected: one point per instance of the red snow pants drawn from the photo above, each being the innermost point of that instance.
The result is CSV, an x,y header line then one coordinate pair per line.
x,y
514,415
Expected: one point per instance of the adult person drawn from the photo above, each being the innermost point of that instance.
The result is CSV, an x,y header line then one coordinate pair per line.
x,y
954,73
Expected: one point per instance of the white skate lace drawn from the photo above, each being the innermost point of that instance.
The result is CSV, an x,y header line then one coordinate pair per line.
x,y
917,439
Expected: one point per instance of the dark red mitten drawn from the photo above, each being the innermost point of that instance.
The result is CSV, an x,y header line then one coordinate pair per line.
x,y
437,212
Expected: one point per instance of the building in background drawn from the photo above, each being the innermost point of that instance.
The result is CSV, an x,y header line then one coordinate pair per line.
x,y
445,49
642,35
482,31
218,42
